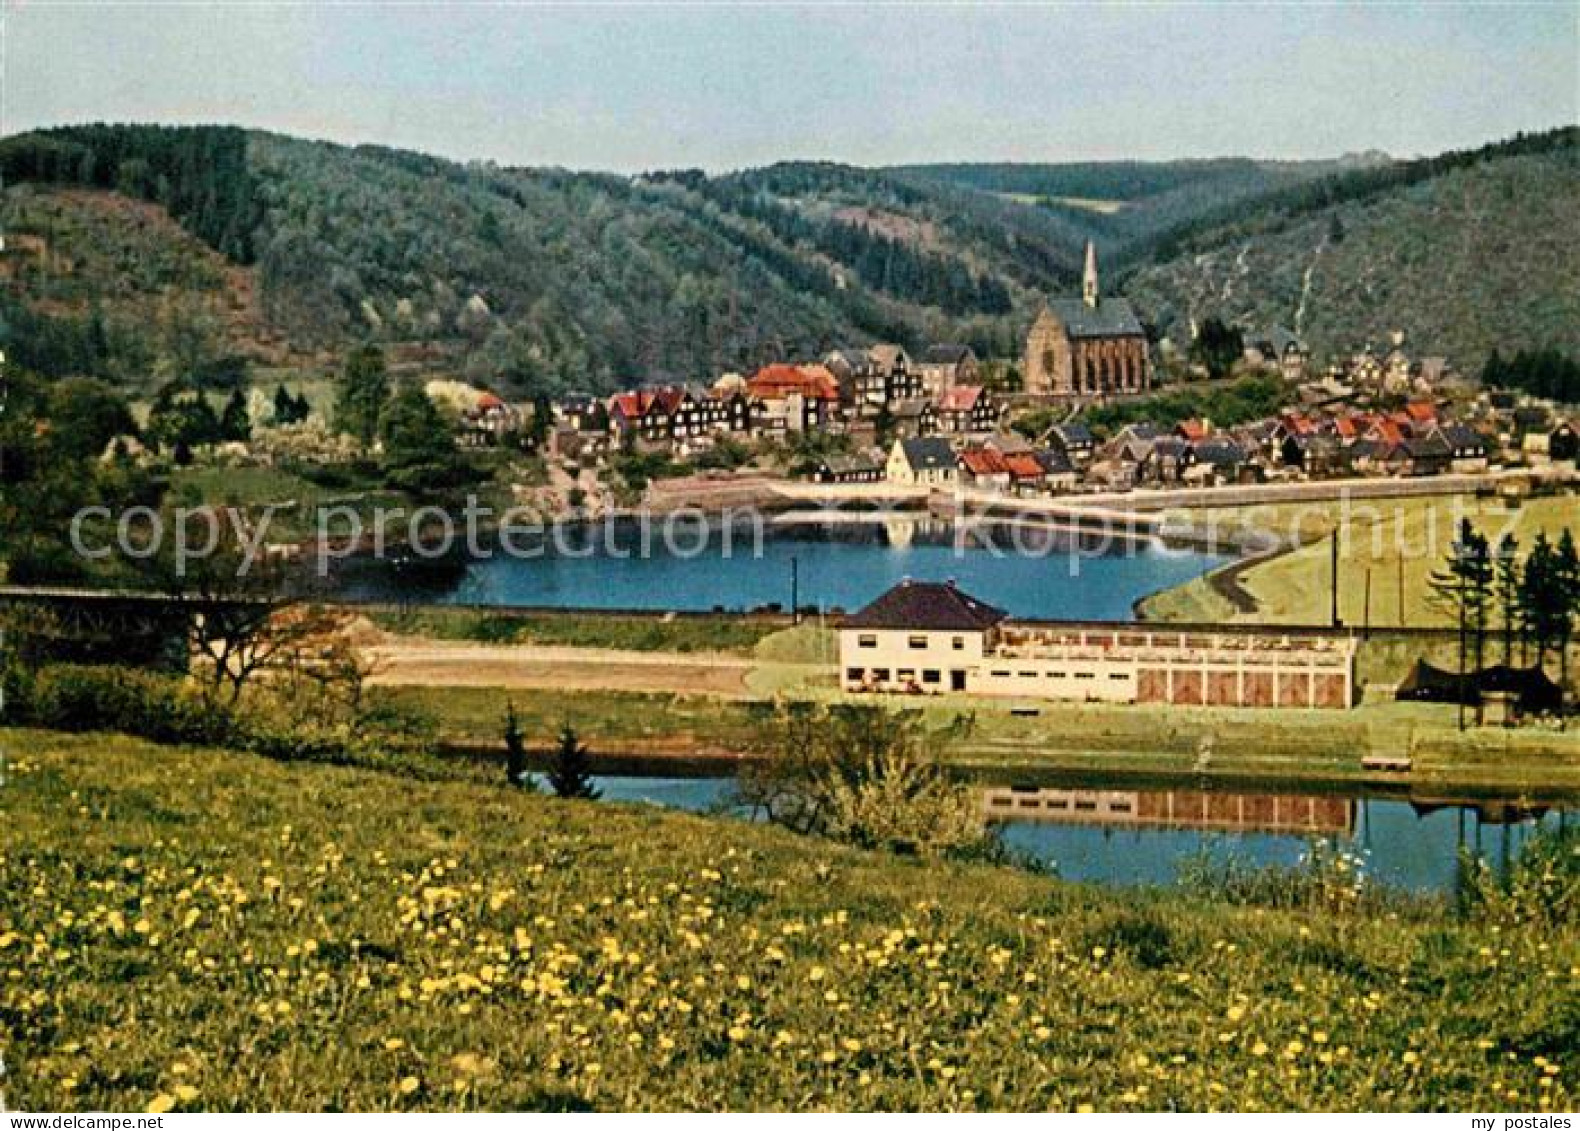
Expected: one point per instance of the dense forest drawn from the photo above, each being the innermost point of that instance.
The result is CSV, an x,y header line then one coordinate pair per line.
x,y
147,253
200,176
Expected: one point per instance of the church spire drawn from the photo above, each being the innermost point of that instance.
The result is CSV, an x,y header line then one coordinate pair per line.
x,y
1089,280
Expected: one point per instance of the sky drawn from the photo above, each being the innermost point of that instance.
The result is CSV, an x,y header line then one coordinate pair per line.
x,y
640,86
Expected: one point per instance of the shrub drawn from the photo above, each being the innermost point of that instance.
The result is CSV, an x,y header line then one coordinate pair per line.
x,y
864,775
77,697
1328,878
1540,888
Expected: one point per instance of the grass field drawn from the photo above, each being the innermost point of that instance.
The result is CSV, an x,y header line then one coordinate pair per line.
x,y
297,499
1220,743
1399,543
189,929
734,635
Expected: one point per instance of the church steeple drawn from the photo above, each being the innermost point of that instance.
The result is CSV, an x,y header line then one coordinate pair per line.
x,y
1089,279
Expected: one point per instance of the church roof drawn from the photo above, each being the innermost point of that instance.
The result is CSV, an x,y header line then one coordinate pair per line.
x,y
1110,318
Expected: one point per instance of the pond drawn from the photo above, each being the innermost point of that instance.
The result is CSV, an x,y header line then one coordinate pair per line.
x,y
1125,836
1031,571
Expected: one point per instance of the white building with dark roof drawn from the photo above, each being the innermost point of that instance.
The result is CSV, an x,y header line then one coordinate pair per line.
x,y
925,637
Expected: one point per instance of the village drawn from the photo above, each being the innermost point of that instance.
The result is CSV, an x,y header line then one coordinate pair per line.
x,y
944,418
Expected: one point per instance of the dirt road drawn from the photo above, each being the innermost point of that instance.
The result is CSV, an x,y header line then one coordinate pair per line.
x,y
428,663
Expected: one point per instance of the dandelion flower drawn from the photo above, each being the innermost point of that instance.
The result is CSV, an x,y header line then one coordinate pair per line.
x,y
408,1085
160,1104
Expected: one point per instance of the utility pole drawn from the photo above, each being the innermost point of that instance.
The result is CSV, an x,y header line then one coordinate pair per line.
x,y
1366,614
1333,579
795,589
1460,549
1401,590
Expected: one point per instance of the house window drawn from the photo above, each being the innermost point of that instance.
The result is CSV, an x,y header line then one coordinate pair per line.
x,y
958,644
881,675
907,674
866,641
918,642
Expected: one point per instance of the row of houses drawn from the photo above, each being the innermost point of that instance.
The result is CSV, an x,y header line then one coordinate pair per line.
x,y
862,393
1417,439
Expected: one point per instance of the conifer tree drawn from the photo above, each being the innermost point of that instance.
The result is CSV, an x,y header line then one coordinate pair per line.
x,y
569,773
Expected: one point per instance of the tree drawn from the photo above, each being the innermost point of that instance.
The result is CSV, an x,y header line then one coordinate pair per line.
x,y
288,409
87,414
1218,346
182,419
515,751
1464,589
540,423
1507,591
1566,594
1540,596
246,614
234,424
865,775
419,449
363,393
569,773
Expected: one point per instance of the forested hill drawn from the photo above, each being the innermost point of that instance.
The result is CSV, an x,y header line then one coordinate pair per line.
x,y
142,252
1126,205
541,279
1462,253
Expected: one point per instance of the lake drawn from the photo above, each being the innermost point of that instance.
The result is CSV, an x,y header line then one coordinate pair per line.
x,y
1031,571
1128,837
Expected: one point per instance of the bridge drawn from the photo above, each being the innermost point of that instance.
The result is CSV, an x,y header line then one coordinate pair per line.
x,y
132,626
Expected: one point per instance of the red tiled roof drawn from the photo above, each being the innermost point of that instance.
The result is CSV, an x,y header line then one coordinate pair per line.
x,y
1423,412
1023,465
773,382
1194,429
983,461
1389,431
632,405
960,398
488,401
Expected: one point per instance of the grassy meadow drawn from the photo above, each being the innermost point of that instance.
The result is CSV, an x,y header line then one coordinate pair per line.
x,y
583,629
1399,542
188,929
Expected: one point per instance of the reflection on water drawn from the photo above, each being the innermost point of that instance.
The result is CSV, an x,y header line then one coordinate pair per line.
x,y
1142,836
1172,809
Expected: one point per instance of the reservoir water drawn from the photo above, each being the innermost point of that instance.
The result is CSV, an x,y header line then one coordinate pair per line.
x,y
1126,836
1086,831
1029,571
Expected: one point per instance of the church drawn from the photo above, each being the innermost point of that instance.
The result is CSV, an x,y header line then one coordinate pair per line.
x,y
1088,347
